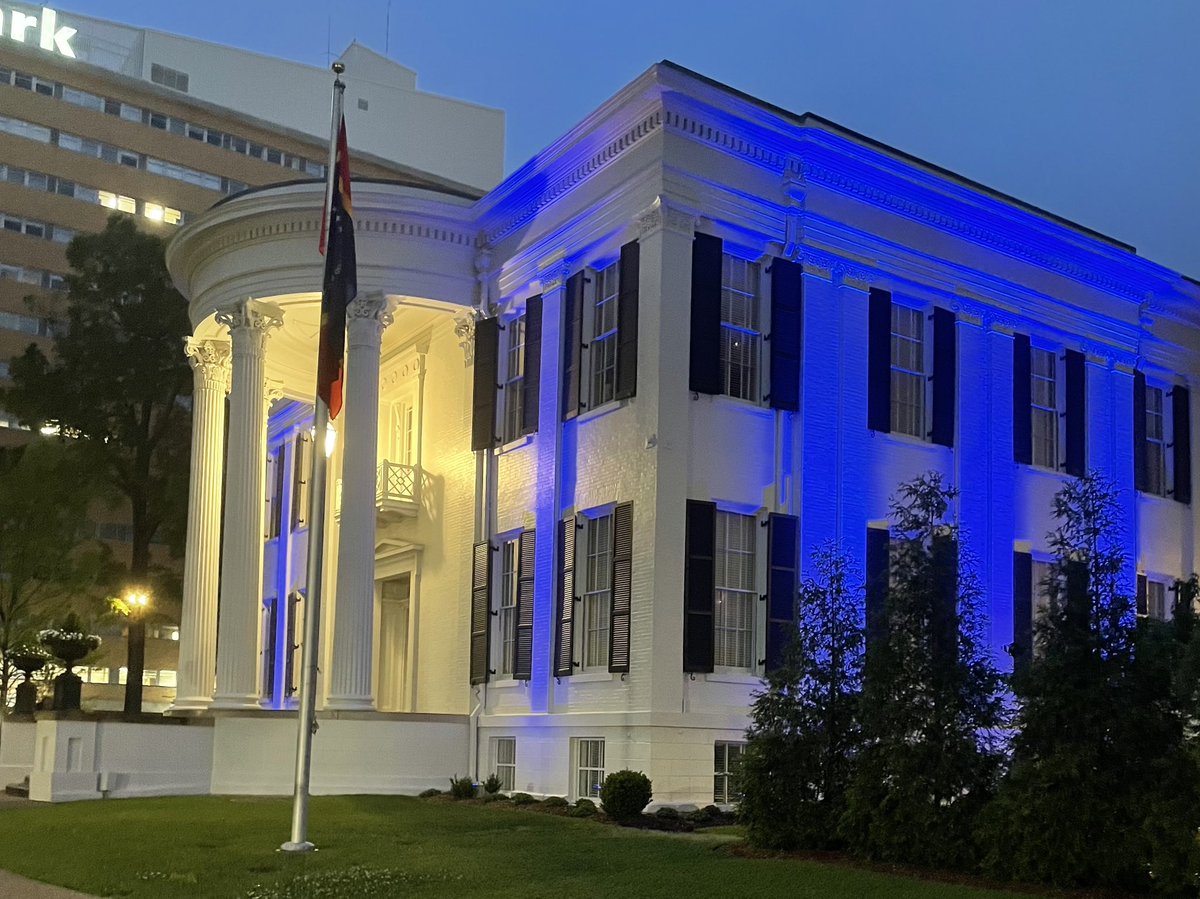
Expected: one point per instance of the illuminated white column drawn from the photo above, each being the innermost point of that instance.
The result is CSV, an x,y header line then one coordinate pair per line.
x,y
354,609
198,625
245,484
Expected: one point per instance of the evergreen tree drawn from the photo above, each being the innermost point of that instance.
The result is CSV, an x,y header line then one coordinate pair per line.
x,y
804,731
932,708
118,383
1101,791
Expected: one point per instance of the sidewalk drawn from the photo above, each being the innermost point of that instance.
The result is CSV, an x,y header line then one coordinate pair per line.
x,y
14,887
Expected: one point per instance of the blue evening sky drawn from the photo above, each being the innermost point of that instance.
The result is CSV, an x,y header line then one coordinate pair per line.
x,y
1088,108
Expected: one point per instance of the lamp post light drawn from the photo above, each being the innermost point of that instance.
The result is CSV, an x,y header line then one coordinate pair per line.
x,y
136,604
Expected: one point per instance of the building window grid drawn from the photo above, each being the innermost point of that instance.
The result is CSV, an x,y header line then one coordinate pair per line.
x,y
589,767
51,184
1045,407
33,228
597,599
727,758
1156,442
733,624
505,755
603,345
34,276
514,379
510,556
211,136
908,371
741,329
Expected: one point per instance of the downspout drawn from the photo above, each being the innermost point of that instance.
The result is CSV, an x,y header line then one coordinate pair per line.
x,y
485,477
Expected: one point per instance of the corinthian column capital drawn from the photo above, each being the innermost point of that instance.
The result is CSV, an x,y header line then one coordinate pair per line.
x,y
209,359
249,324
366,317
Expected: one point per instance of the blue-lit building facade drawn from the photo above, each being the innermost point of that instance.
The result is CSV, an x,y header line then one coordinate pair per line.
x,y
613,406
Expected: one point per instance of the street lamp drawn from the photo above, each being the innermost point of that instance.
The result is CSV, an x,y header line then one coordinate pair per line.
x,y
137,601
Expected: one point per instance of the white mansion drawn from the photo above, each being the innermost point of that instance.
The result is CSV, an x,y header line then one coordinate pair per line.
x,y
598,418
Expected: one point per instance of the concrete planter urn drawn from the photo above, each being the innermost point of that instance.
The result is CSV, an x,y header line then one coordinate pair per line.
x,y
28,661
68,643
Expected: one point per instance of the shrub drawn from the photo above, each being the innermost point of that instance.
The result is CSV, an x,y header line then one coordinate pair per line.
x,y
492,784
493,797
522,799
555,802
624,794
585,803
584,811
666,813
432,791
462,788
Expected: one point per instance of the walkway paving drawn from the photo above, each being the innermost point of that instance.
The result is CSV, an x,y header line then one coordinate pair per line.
x,y
14,887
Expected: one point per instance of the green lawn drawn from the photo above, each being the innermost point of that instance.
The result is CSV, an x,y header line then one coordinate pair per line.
x,y
217,847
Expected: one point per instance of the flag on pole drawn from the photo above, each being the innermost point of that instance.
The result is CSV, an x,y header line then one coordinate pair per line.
x,y
341,279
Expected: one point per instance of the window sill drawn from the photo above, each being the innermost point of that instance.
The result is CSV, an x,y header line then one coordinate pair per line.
x,y
1159,498
591,677
909,440
600,411
507,683
733,402
733,676
524,440
1042,471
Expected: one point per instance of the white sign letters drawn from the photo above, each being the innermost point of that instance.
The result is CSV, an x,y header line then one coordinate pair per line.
x,y
44,28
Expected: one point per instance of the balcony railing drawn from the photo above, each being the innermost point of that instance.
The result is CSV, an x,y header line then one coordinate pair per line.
x,y
398,488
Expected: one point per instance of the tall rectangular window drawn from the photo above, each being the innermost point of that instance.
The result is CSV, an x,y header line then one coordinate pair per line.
x,y
1041,586
908,371
741,329
1156,441
597,591
510,555
733,623
1044,407
589,768
514,379
603,344
504,754
727,759
275,497
1156,600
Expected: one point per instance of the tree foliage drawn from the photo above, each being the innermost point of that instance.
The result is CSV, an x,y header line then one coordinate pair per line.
x,y
45,489
117,383
804,733
1102,790
932,707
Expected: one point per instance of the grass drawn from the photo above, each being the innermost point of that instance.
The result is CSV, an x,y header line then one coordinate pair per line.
x,y
375,846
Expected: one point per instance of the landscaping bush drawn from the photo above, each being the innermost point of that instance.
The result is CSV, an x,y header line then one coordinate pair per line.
x,y
493,797
624,794
585,803
522,799
492,784
462,788
432,791
584,811
555,802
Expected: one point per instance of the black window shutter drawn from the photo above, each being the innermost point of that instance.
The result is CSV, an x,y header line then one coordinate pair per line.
x,y
622,589
783,583
945,363
704,367
531,382
787,305
564,642
1022,610
573,344
523,662
1181,422
1139,431
879,361
945,602
481,610
1076,460
878,573
1078,602
1143,606
699,585
1022,400
486,379
627,321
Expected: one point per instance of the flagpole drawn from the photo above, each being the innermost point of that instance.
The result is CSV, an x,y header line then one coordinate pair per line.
x,y
307,718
